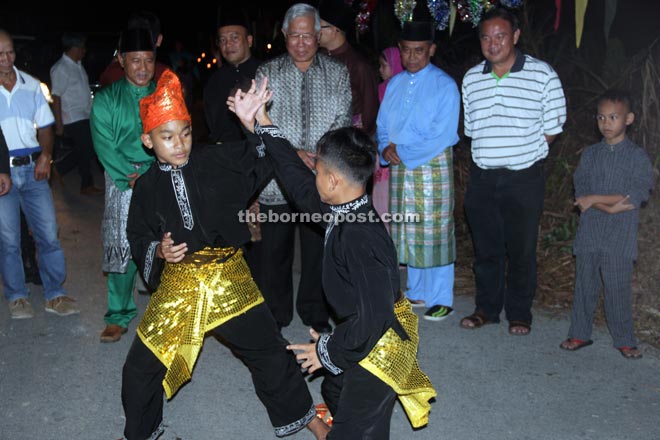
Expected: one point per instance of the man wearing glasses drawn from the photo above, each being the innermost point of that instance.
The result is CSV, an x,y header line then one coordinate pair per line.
x,y
312,95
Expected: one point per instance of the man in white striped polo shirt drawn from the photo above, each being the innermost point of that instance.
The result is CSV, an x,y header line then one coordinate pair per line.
x,y
514,108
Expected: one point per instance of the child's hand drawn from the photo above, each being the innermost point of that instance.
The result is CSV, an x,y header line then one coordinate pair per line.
x,y
170,252
308,157
307,357
132,178
621,206
583,203
247,104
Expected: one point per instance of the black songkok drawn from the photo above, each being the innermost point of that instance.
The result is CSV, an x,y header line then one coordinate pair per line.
x,y
338,14
233,16
417,31
136,40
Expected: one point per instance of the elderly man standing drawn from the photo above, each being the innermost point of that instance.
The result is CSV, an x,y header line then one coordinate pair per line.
x,y
312,96
27,128
417,127
234,38
514,108
116,130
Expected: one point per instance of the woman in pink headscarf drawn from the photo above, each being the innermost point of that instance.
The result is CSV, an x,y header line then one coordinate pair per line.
x,y
390,65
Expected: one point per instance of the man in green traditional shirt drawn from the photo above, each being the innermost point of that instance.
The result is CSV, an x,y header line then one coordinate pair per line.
x,y
116,129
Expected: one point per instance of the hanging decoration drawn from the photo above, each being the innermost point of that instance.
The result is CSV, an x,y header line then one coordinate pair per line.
x,y
610,13
363,18
511,4
463,11
440,12
557,14
452,17
580,10
445,12
403,9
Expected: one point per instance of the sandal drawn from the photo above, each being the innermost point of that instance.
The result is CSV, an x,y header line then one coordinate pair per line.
x,y
524,325
630,352
477,320
323,413
574,344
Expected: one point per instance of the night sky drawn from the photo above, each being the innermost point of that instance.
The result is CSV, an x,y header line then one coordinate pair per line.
x,y
636,24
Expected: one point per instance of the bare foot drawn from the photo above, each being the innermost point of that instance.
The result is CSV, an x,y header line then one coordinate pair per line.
x,y
318,428
572,344
519,328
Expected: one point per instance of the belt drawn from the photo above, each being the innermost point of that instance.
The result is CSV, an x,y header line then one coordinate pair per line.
x,y
19,161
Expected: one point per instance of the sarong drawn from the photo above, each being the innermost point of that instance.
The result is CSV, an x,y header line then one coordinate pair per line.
x,y
199,293
394,361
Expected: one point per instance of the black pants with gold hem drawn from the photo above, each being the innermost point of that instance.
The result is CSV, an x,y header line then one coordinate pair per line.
x,y
254,338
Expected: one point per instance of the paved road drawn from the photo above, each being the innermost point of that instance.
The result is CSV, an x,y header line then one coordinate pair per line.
x,y
57,382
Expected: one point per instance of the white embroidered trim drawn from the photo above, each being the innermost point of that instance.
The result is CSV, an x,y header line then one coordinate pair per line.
x,y
182,198
329,226
350,206
282,431
271,130
168,167
157,432
324,356
261,150
149,259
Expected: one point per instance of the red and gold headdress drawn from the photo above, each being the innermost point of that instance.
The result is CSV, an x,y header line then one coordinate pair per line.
x,y
165,104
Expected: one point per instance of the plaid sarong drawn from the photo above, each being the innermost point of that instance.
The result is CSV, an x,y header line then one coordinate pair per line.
x,y
427,191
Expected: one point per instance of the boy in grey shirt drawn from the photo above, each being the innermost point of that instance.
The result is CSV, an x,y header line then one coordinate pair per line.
x,y
612,180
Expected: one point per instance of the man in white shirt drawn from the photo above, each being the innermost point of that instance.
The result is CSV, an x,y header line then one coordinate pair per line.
x,y
72,103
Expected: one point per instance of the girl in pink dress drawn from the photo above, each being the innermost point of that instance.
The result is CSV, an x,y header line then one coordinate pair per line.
x,y
390,65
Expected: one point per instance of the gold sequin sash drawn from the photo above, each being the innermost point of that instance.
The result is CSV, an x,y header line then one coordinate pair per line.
x,y
199,293
394,361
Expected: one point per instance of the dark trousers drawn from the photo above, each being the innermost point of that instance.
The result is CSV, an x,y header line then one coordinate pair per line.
x,y
364,406
612,274
254,338
503,209
77,134
271,262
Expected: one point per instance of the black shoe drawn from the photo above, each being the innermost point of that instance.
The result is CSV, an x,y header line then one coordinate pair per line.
x,y
322,327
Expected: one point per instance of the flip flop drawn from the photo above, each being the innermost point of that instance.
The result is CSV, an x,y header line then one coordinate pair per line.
x,y
477,319
579,343
630,352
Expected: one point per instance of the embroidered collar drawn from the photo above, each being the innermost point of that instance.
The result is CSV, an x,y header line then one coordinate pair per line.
x,y
167,167
350,206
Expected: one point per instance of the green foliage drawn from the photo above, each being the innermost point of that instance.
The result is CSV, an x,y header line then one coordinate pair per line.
x,y
562,235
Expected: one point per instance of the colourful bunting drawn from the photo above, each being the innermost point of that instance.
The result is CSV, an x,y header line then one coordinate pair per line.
x,y
580,10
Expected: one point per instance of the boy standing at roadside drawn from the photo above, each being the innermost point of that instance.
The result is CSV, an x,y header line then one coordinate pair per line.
x,y
612,180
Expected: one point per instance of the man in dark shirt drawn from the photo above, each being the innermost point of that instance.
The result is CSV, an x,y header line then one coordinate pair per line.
x,y
337,22
234,40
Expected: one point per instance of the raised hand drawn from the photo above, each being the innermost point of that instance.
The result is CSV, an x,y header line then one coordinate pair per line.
x,y
247,104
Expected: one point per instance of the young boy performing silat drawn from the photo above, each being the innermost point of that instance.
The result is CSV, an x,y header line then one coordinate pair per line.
x,y
185,237
373,349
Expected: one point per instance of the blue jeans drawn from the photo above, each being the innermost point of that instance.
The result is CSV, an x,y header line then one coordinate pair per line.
x,y
35,198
